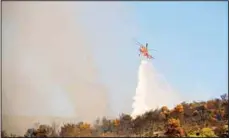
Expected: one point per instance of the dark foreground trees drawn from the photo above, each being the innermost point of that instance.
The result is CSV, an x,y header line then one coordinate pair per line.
x,y
197,119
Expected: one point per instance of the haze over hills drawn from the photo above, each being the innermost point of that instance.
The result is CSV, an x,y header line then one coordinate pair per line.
x,y
45,53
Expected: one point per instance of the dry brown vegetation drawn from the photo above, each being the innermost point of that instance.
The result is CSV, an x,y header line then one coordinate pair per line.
x,y
196,119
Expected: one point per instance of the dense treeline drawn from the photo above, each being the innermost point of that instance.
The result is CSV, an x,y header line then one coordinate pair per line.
x,y
196,119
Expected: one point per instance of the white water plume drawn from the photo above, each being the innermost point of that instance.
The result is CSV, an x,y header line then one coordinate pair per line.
x,y
139,105
152,90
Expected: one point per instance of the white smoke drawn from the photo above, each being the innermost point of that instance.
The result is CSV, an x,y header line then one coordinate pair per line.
x,y
48,67
55,61
152,90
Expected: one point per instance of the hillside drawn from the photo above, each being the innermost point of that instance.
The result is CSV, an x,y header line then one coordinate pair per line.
x,y
196,119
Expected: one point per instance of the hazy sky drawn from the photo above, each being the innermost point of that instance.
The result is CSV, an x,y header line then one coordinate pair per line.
x,y
192,43
191,39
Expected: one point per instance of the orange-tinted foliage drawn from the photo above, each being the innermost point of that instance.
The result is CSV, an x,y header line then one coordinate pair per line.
x,y
179,108
116,122
174,122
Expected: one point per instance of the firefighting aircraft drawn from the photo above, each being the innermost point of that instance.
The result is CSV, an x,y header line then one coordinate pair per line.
x,y
144,51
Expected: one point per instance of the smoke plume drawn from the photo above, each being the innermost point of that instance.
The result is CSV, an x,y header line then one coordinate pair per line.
x,y
152,90
48,69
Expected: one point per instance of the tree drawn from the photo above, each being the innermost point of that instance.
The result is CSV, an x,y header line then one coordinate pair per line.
x,y
125,127
138,123
41,131
151,117
106,125
224,97
173,128
70,130
225,107
164,114
178,112
188,111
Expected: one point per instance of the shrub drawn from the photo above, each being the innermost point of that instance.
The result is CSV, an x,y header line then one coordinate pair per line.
x,y
207,132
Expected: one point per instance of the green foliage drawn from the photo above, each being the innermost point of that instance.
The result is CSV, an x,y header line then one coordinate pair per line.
x,y
193,135
207,132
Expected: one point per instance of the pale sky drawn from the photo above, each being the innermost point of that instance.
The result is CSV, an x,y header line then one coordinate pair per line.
x,y
191,39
